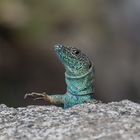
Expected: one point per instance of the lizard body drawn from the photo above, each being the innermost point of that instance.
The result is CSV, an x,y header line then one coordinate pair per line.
x,y
79,77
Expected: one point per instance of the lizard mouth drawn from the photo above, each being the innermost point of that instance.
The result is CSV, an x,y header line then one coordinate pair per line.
x,y
59,49
63,53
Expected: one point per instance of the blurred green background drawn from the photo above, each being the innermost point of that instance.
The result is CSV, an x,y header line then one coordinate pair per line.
x,y
108,31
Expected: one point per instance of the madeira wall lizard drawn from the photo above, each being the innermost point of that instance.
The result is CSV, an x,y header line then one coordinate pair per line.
x,y
79,77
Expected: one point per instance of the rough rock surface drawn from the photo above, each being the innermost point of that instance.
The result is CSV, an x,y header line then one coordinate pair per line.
x,y
112,121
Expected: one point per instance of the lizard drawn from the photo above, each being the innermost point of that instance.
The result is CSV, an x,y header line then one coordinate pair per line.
x,y
79,78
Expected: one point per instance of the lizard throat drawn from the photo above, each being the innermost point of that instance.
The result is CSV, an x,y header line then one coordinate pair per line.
x,y
80,85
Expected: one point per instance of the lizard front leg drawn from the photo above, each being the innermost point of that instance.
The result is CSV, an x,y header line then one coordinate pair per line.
x,y
52,99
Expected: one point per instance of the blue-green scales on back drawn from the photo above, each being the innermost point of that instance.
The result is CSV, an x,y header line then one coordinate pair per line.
x,y
79,77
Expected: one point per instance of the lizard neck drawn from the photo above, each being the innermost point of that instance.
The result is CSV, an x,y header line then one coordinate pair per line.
x,y
81,84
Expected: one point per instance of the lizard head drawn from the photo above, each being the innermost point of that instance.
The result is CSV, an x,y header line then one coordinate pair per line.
x,y
75,61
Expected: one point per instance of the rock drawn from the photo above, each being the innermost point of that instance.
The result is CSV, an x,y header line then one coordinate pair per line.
x,y
112,121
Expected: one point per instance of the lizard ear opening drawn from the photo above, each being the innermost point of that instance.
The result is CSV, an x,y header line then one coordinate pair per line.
x,y
90,65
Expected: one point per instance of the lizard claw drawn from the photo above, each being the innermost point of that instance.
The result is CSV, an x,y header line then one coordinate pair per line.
x,y
34,94
39,98
25,96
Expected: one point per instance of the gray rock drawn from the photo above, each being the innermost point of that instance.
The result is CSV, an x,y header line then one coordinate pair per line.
x,y
112,121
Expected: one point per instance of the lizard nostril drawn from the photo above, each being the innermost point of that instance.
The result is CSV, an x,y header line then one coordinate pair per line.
x,y
58,47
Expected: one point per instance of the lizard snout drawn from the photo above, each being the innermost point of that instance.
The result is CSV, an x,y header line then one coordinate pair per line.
x,y
58,47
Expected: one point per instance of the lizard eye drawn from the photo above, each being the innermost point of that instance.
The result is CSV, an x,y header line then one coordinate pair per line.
x,y
75,51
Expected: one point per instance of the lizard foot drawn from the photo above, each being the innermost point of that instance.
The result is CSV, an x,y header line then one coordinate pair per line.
x,y
38,96
94,101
